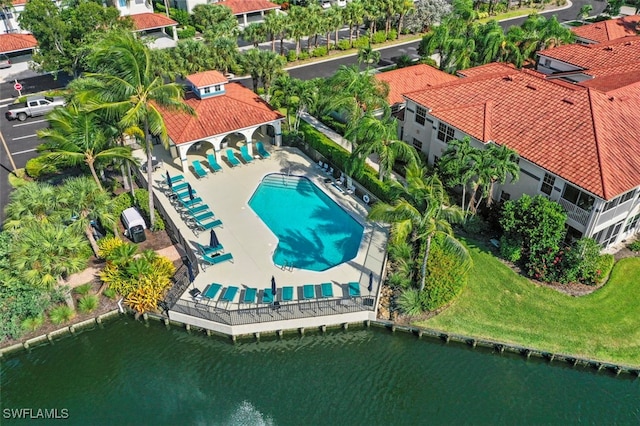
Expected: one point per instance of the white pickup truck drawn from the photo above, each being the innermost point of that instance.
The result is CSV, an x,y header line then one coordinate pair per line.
x,y
33,107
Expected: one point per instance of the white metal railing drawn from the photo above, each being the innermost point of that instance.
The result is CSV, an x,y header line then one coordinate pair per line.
x,y
574,212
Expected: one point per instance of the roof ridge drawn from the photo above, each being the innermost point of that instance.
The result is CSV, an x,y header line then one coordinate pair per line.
x,y
596,139
486,130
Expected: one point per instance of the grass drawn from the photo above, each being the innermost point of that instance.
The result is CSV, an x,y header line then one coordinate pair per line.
x,y
510,14
501,305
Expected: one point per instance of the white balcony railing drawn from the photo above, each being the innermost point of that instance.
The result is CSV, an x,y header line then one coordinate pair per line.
x,y
574,212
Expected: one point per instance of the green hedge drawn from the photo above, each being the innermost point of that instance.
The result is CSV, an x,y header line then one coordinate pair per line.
x,y
605,265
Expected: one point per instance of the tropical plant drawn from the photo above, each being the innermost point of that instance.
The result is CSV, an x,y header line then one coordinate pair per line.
x,y
366,55
75,137
224,53
127,91
263,66
276,26
254,33
458,164
379,136
503,165
32,323
192,56
88,303
61,314
297,96
83,289
33,201
144,298
215,20
354,17
419,213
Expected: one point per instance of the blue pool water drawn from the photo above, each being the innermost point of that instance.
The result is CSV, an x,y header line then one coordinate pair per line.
x,y
314,233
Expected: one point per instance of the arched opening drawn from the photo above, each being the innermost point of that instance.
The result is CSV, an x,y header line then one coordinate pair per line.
x,y
265,134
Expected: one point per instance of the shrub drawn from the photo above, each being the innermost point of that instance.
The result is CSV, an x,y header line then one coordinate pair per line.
x,y
186,32
343,45
109,293
360,42
579,262
303,55
410,302
83,289
446,276
291,56
121,203
510,250
108,244
142,201
61,314
483,15
475,225
634,246
605,265
37,168
379,37
144,299
32,323
393,34
319,52
88,303
182,17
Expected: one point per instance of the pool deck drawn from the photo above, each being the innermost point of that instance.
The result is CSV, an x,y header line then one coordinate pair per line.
x,y
252,244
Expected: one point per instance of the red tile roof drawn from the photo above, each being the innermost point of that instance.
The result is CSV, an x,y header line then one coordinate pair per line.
x,y
609,30
585,136
239,7
207,78
237,109
151,21
490,68
601,55
16,42
18,2
410,79
609,82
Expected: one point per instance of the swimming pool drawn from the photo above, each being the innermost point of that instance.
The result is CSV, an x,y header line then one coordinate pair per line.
x,y
314,232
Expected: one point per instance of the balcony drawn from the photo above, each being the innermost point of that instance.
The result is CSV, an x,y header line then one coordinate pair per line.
x,y
574,212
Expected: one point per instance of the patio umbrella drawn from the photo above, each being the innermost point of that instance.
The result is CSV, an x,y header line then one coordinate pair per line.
x,y
370,287
213,242
169,181
273,286
190,191
190,271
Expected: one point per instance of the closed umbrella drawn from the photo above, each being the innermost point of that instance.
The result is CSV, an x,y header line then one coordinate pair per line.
x,y
273,286
370,287
169,181
190,191
190,271
213,241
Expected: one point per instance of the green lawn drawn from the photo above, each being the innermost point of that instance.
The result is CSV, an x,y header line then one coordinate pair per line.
x,y
498,304
510,14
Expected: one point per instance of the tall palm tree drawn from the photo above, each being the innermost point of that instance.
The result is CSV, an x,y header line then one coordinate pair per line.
x,y
252,65
366,55
296,95
126,89
254,33
405,7
354,17
224,53
459,164
333,18
296,25
504,166
75,137
276,25
420,212
379,136
193,56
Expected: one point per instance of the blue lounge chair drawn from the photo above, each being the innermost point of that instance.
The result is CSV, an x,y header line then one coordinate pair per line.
x,y
211,291
187,204
179,187
287,294
195,210
326,290
184,195
308,291
214,260
201,217
263,152
267,296
174,179
232,158
250,295
229,294
198,169
205,226
213,164
244,152
208,250
354,289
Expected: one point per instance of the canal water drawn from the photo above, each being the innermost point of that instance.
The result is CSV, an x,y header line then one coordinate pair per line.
x,y
129,373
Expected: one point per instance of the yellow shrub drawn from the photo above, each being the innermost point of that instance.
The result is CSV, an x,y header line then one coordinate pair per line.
x,y
108,244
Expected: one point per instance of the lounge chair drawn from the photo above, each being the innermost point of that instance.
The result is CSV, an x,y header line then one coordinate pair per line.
x,y
250,295
354,289
205,226
201,217
213,164
326,290
287,294
244,152
214,260
198,169
351,188
184,195
308,291
174,179
229,294
231,157
210,292
267,296
196,210
179,187
190,203
263,152
208,250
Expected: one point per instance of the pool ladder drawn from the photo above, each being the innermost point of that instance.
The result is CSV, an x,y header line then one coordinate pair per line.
x,y
287,266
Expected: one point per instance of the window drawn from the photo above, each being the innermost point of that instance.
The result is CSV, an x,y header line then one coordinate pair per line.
x,y
421,113
608,235
445,133
633,222
217,88
122,3
577,197
206,90
546,62
417,144
610,204
547,183
504,196
6,15
628,196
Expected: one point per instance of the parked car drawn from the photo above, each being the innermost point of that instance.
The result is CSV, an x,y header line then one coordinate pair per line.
x,y
5,62
33,107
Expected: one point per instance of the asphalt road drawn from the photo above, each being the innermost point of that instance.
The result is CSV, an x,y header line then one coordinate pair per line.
x,y
21,136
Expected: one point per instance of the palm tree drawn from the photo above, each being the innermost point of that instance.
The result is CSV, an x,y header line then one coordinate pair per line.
x,y
366,55
405,7
314,24
31,202
333,22
276,24
379,136
86,202
126,90
296,95
420,212
224,53
192,56
459,164
251,64
504,165
585,10
354,17
296,25
75,137
254,33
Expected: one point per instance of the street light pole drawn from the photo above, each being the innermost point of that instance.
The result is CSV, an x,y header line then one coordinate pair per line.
x,y
6,148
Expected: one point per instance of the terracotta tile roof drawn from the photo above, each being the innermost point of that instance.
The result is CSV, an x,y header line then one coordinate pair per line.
x,y
151,21
601,55
490,68
207,78
238,7
237,109
18,2
609,30
410,79
609,82
16,42
585,136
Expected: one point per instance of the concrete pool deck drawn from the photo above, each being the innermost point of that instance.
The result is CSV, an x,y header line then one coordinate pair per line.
x,y
252,243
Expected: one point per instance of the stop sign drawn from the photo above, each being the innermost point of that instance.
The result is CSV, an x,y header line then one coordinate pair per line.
x,y
17,86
